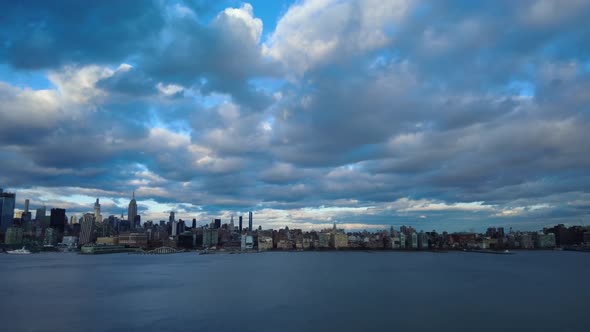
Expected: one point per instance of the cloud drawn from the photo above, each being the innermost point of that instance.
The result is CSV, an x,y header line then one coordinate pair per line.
x,y
368,113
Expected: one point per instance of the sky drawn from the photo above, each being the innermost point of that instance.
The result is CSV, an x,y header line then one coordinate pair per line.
x,y
447,115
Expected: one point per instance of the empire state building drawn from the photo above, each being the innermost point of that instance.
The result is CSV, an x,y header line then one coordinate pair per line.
x,y
132,212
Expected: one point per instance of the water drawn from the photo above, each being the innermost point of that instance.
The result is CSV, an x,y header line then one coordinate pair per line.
x,y
305,291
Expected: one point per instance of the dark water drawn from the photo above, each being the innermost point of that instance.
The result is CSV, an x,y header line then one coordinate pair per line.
x,y
308,291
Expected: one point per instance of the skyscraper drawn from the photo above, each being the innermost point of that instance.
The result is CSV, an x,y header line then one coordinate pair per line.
x,y
40,214
232,226
97,216
250,221
57,220
26,214
240,224
7,201
132,212
87,229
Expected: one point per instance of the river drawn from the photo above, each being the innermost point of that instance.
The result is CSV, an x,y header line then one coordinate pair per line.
x,y
296,291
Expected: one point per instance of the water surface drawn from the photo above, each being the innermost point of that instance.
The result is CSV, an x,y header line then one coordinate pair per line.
x,y
303,291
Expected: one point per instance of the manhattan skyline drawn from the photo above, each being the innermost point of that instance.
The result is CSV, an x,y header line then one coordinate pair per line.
x,y
434,114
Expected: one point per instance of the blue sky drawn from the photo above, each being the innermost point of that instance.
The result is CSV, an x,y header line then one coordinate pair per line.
x,y
452,115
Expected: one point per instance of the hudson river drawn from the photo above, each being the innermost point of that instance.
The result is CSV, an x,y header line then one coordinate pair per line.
x,y
304,291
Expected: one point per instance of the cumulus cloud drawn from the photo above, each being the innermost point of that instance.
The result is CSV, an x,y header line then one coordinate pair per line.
x,y
367,113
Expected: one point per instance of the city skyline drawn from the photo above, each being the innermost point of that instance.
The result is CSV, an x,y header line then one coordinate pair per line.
x,y
366,113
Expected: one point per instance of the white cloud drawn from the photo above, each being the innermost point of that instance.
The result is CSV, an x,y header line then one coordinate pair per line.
x,y
314,32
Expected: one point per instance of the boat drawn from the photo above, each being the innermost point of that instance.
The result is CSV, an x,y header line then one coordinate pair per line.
x,y
22,251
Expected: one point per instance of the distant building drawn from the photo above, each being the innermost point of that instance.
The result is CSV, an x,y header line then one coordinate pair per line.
x,y
13,236
87,229
247,242
545,240
138,240
97,215
217,223
51,236
412,241
240,224
40,214
324,240
264,242
340,240
422,240
112,240
69,241
57,220
210,237
250,221
132,212
7,202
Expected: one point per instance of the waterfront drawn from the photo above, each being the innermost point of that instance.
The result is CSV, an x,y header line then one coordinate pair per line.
x,y
296,291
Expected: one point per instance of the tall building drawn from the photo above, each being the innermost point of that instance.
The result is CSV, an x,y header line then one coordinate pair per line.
x,y
97,215
26,216
57,220
7,201
132,212
87,229
240,224
217,223
40,214
232,226
250,221
172,220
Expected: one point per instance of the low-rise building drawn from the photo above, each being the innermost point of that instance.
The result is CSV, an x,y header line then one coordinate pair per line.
x,y
210,237
138,240
340,240
112,240
264,242
247,242
545,240
13,236
324,240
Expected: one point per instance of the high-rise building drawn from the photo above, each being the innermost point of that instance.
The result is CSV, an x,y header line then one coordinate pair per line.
x,y
172,220
240,224
7,201
194,223
87,229
26,216
97,215
132,212
57,220
232,226
40,214
250,221
217,223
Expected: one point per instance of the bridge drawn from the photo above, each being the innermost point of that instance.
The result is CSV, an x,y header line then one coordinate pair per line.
x,y
161,251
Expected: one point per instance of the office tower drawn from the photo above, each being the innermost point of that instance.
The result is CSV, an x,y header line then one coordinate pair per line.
x,y
97,216
73,219
172,217
137,221
250,221
132,212
194,223
232,226
40,214
26,216
7,201
87,229
217,223
240,224
57,220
